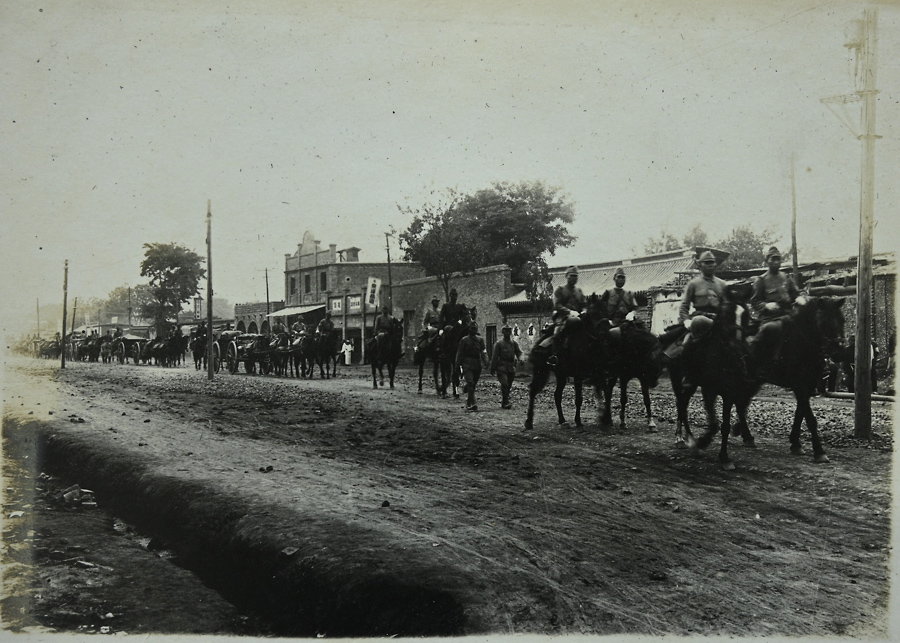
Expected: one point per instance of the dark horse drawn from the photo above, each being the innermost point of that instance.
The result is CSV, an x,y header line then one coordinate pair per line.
x,y
302,355
429,350
326,350
813,331
635,354
386,351
718,364
586,355
198,352
448,345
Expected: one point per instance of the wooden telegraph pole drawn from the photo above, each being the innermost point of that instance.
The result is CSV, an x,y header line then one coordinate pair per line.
x,y
863,376
210,367
62,344
794,261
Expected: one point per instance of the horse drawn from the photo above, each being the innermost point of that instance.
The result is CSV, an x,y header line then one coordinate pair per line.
x,y
448,345
718,364
280,353
198,352
428,349
635,354
301,356
106,349
326,352
386,351
585,356
813,331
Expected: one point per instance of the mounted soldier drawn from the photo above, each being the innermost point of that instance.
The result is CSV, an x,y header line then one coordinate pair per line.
x,y
706,294
618,304
430,324
278,327
382,327
453,313
326,325
298,327
568,304
773,295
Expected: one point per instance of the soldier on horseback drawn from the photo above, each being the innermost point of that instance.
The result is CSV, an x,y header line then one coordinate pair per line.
x,y
382,327
453,313
568,304
278,328
706,293
773,295
326,325
430,324
617,303
298,327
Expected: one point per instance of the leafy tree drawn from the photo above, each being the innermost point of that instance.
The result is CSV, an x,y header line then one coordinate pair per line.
x,y
747,248
174,273
119,300
667,241
538,287
519,223
506,223
439,241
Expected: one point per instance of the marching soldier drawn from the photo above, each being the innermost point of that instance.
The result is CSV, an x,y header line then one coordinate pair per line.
x,y
471,355
506,355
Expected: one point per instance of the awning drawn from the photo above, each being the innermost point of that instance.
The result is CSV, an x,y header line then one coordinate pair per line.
x,y
296,310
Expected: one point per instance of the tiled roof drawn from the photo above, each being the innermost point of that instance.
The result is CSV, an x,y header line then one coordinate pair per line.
x,y
641,275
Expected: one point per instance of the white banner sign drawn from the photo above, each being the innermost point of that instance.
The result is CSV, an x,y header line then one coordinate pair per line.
x,y
373,291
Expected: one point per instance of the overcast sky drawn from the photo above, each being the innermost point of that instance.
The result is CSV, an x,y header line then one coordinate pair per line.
x,y
120,120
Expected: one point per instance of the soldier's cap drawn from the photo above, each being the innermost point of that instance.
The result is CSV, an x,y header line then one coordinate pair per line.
x,y
435,298
453,291
571,270
473,325
706,255
506,327
620,271
773,252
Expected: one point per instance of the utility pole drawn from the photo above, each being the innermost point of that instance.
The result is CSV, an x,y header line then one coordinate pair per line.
x,y
38,305
796,272
65,295
387,242
129,306
868,92
267,301
210,337
864,41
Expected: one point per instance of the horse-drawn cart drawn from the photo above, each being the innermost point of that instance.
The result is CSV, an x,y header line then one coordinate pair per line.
x,y
129,346
252,350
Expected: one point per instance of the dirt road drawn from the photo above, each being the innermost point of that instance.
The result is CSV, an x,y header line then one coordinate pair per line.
x,y
328,508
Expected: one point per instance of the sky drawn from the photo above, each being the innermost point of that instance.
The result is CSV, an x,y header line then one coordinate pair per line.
x,y
121,120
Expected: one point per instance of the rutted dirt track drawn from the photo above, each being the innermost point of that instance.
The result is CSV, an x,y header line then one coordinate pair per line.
x,y
385,512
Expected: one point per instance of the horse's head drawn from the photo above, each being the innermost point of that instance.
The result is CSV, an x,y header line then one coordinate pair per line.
x,y
823,320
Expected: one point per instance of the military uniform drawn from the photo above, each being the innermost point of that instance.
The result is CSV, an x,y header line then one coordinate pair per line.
x,y
471,355
617,303
325,326
453,314
505,355
773,294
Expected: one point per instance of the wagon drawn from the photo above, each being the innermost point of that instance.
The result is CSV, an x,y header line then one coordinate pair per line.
x,y
129,346
251,349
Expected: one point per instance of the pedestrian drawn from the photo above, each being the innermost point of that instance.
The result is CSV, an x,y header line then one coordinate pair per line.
x,y
347,350
471,356
505,356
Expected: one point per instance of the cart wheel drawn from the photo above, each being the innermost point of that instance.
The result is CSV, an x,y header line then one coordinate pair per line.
x,y
231,358
136,353
121,353
217,358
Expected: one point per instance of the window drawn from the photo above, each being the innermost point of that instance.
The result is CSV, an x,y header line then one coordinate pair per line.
x,y
307,284
323,281
293,285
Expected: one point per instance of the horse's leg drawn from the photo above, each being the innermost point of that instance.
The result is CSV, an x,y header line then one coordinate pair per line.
x,y
796,447
579,398
741,428
607,383
538,381
454,378
813,426
557,397
712,422
645,393
421,374
374,376
724,460
623,400
434,376
392,368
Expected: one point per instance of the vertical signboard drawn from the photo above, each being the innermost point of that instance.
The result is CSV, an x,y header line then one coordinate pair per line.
x,y
373,292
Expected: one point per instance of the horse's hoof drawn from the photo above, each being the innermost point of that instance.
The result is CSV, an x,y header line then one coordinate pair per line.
x,y
680,444
651,428
821,458
728,466
750,444
529,425
392,386
564,425
578,424
420,391
797,450
691,442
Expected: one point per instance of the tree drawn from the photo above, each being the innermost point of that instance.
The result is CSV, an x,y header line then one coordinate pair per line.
x,y
122,298
174,273
519,223
438,240
667,241
506,223
747,248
